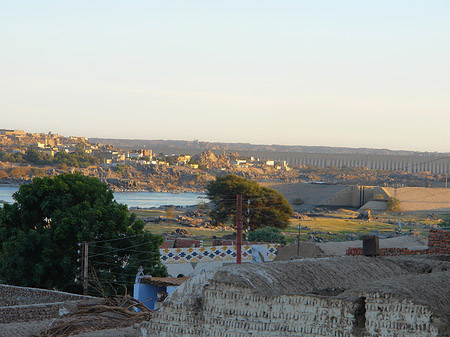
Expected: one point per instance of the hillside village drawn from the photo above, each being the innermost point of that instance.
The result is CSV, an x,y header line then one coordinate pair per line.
x,y
25,155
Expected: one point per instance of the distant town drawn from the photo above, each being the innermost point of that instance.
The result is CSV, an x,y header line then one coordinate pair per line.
x,y
176,166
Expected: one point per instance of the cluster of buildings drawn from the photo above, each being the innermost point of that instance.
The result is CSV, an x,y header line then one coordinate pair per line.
x,y
18,141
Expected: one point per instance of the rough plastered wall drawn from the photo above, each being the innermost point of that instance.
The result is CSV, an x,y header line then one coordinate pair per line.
x,y
408,306
389,316
224,304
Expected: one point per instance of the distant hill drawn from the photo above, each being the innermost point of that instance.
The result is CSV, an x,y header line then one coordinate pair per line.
x,y
195,146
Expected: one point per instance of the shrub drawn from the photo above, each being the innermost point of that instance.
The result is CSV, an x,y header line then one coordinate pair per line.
x,y
298,202
267,234
393,205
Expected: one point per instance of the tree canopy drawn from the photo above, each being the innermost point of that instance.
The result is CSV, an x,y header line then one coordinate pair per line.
x,y
267,207
79,158
40,234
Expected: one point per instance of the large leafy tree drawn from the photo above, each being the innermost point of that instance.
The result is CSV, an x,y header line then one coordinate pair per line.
x,y
41,231
266,207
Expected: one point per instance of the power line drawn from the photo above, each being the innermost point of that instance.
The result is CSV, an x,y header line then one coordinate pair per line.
x,y
116,239
121,249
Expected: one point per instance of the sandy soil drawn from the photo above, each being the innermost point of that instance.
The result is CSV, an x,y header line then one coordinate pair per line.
x,y
307,250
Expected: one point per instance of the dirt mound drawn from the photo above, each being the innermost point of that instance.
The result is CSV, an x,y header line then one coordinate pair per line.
x,y
307,250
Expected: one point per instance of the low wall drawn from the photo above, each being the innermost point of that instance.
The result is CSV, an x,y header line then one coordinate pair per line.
x,y
18,304
354,251
34,312
438,243
213,254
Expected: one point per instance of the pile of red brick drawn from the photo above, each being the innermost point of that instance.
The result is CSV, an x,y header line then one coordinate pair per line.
x,y
353,251
181,243
439,241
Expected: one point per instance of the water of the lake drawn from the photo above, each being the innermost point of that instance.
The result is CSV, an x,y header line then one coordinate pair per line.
x,y
132,199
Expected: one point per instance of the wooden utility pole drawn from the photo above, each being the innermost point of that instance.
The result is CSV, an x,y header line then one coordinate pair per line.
x,y
239,228
85,251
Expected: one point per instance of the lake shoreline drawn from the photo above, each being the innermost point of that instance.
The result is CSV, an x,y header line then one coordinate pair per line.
x,y
113,188
133,199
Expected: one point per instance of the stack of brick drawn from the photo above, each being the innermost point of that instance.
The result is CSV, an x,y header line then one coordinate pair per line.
x,y
181,243
439,241
222,242
186,243
354,251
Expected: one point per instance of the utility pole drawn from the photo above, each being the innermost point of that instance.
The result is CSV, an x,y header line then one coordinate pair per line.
x,y
85,252
239,228
298,240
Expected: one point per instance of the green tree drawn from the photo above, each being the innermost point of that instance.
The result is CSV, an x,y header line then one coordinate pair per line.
x,y
32,156
267,234
41,231
267,207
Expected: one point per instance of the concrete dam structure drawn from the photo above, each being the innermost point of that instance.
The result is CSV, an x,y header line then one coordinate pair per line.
x,y
412,199
413,164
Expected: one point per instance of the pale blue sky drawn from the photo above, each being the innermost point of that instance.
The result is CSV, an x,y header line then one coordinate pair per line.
x,y
335,73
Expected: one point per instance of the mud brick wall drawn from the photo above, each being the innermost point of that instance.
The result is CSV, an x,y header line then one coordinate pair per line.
x,y
227,311
387,316
235,302
439,241
23,313
18,304
259,315
13,296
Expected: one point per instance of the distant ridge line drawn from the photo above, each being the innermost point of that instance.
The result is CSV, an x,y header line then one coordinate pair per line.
x,y
178,146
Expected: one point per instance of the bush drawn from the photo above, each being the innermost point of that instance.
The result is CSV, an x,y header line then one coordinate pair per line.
x,y
298,202
393,205
267,234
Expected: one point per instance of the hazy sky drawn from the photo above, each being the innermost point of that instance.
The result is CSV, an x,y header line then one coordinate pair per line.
x,y
337,73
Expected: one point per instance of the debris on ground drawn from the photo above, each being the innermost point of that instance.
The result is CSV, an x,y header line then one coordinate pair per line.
x,y
116,312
